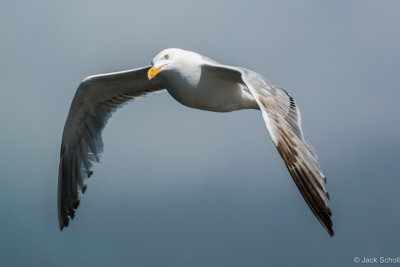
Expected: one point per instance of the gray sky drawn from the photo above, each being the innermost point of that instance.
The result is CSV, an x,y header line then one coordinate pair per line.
x,y
183,187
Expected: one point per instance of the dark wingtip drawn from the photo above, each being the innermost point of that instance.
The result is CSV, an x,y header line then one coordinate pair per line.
x,y
63,223
302,176
68,215
67,203
331,232
327,196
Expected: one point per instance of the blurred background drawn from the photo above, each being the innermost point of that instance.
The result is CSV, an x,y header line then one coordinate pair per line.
x,y
184,187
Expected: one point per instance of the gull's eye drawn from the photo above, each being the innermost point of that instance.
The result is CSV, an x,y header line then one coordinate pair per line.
x,y
166,56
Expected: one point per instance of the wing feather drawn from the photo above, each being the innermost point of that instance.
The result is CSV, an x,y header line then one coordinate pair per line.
x,y
95,100
283,121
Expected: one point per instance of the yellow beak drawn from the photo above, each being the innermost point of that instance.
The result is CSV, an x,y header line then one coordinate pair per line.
x,y
152,72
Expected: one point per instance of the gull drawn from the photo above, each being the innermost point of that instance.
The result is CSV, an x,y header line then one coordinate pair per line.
x,y
197,82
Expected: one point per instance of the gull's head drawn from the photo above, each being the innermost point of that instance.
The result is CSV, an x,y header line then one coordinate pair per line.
x,y
171,59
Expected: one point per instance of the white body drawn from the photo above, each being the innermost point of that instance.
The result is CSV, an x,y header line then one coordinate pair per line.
x,y
198,90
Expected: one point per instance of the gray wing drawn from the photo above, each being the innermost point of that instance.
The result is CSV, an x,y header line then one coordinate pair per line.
x,y
94,101
283,121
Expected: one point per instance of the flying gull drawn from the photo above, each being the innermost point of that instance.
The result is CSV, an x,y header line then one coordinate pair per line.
x,y
197,82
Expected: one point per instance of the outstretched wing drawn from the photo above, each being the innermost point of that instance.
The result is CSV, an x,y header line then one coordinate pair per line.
x,y
283,121
95,100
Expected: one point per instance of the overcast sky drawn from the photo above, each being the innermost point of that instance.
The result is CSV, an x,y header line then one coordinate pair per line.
x,y
184,187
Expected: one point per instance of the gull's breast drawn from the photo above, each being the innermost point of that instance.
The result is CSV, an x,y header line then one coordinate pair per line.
x,y
208,93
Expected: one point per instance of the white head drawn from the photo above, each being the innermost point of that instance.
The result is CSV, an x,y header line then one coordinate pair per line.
x,y
171,59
